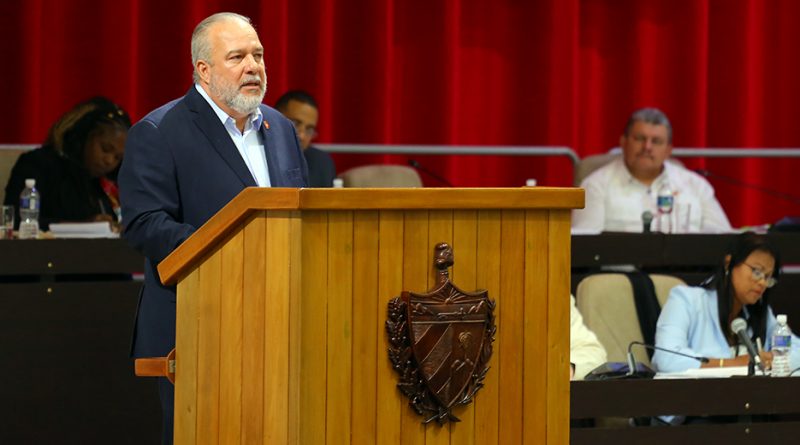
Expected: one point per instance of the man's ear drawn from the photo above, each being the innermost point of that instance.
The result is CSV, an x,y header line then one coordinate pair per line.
x,y
727,262
202,68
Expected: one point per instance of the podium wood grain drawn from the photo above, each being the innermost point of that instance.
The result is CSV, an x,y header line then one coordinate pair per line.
x,y
282,302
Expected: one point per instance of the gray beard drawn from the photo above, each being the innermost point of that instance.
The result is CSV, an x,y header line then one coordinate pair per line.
x,y
237,101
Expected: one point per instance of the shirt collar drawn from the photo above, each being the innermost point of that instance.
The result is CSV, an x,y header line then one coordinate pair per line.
x,y
256,118
665,174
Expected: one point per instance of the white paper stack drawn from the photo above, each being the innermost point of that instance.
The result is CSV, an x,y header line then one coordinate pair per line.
x,y
100,229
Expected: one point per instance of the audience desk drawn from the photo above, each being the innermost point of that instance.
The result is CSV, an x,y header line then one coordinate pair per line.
x,y
766,410
67,310
66,317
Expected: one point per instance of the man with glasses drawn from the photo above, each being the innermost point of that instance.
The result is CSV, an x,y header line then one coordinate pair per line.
x,y
301,108
618,193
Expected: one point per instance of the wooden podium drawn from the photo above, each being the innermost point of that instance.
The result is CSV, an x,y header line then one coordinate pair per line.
x,y
282,304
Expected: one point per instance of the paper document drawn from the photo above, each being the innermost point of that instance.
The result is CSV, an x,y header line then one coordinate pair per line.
x,y
100,229
705,373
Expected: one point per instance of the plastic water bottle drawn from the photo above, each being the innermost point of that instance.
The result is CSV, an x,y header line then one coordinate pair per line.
x,y
781,348
664,203
29,211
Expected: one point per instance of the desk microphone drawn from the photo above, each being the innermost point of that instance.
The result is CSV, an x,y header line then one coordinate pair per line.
x,y
739,327
632,361
647,218
776,194
418,166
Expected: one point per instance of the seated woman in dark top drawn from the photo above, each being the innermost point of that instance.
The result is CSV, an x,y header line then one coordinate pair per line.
x,y
75,169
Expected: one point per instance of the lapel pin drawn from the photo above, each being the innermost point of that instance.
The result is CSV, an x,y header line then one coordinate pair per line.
x,y
266,125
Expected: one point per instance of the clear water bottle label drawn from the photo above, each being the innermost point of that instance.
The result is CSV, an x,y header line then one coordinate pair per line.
x,y
664,203
28,203
782,341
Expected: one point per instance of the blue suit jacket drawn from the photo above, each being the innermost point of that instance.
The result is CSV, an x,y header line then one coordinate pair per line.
x,y
180,168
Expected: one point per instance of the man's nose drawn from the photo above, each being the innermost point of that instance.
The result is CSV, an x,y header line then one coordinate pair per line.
x,y
250,63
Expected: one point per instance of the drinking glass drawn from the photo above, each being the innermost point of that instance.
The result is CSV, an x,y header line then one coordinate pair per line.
x,y
6,222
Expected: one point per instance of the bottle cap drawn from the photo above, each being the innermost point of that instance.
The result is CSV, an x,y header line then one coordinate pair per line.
x,y
781,318
30,182
338,183
530,182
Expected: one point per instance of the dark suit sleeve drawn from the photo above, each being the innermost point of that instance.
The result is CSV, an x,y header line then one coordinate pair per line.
x,y
151,207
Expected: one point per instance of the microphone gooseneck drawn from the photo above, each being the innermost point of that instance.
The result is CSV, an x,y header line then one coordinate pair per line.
x,y
739,327
733,181
632,360
413,163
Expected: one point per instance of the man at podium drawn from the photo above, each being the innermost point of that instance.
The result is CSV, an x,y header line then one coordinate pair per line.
x,y
185,160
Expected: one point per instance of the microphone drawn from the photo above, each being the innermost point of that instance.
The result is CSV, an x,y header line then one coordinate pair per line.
x,y
739,327
632,361
418,166
647,218
776,194
633,370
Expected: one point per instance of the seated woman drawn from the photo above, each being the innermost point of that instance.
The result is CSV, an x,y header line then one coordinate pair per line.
x,y
76,167
696,320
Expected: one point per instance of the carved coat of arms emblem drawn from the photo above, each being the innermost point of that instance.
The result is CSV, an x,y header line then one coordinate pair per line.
x,y
440,343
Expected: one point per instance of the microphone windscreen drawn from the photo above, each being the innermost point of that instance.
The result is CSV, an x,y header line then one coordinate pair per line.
x,y
647,216
738,324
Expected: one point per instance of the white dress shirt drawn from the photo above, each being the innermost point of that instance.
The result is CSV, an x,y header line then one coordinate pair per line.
x,y
615,201
585,350
248,143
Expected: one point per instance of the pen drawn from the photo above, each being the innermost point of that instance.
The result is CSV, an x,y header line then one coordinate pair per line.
x,y
758,345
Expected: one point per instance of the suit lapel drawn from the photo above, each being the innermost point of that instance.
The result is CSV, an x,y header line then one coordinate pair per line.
x,y
209,124
273,162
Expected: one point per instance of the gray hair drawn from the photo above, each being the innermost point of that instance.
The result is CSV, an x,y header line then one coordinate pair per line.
x,y
201,47
652,116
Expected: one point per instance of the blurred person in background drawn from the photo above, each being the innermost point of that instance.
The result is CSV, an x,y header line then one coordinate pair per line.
x,y
76,167
301,108
618,193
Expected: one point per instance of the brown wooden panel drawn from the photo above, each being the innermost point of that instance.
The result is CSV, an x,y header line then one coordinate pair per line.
x,y
390,284
230,373
440,229
253,320
465,243
366,303
558,328
510,326
186,343
296,416
208,237
276,328
314,310
208,346
487,401
221,225
537,275
442,198
417,255
340,326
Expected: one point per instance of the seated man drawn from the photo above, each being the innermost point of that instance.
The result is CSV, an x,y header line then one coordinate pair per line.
x,y
585,351
618,193
300,108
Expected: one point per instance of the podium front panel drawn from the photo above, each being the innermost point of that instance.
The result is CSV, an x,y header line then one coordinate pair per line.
x,y
281,328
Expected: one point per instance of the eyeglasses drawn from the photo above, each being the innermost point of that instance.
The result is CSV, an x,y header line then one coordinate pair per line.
x,y
759,275
309,131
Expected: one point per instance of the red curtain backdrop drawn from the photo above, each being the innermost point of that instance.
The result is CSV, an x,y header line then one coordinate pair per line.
x,y
477,72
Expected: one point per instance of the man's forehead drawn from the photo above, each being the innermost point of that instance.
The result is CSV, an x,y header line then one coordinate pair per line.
x,y
647,127
231,31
